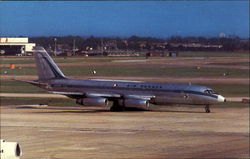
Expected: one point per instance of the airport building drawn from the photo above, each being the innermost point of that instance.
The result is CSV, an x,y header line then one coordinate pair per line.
x,y
20,46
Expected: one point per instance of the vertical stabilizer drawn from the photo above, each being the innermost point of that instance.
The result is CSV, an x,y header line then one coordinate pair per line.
x,y
46,67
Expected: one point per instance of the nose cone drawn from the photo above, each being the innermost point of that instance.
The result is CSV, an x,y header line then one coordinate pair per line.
x,y
220,98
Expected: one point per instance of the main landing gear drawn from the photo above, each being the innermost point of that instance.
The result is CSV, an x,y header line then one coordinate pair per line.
x,y
117,108
207,109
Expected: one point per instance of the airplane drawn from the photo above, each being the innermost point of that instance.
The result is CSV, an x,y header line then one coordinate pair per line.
x,y
118,94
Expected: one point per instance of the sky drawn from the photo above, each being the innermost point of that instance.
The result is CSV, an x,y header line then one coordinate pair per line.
x,y
124,18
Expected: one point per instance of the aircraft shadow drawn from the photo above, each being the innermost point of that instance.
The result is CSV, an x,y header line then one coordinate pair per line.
x,y
179,111
92,110
75,110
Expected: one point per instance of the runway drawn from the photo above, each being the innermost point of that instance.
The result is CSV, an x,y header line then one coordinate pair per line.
x,y
55,132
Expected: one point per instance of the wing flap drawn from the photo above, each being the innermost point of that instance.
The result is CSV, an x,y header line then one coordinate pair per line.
x,y
89,94
146,97
108,94
67,93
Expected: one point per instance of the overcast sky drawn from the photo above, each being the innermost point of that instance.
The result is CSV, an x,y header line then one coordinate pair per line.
x,y
124,18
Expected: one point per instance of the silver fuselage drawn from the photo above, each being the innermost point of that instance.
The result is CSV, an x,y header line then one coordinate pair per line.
x,y
163,93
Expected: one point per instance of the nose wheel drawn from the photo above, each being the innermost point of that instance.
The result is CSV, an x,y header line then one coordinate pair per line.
x,y
207,108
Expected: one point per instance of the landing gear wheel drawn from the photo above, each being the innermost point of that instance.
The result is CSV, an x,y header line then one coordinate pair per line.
x,y
207,109
112,109
116,108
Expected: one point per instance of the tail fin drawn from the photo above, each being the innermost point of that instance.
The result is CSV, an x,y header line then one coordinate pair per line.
x,y
46,67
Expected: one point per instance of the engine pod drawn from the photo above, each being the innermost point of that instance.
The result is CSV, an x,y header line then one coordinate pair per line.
x,y
135,103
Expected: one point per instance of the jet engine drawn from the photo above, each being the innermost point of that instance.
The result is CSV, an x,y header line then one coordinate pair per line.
x,y
94,101
139,103
10,150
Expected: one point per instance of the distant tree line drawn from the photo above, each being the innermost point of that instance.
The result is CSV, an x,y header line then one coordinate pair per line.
x,y
144,43
229,43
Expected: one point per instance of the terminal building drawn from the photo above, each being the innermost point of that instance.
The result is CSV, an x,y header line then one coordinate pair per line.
x,y
15,46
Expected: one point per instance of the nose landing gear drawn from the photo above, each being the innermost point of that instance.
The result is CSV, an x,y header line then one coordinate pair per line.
x,y
207,109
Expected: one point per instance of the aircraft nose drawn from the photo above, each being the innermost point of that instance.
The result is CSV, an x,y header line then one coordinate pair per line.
x,y
220,98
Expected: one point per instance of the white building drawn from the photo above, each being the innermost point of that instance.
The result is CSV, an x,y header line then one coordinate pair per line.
x,y
15,46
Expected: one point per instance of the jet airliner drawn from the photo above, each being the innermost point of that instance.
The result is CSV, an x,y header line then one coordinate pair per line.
x,y
118,94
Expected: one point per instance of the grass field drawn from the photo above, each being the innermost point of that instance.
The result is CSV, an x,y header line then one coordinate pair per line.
x,y
229,90
235,63
58,60
154,71
213,54
8,86
23,61
29,60
145,70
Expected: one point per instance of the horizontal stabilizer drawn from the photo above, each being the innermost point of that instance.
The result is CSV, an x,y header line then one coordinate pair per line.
x,y
36,83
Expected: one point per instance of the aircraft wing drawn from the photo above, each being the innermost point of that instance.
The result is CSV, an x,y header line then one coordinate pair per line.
x,y
67,93
108,94
105,95
116,95
89,94
146,97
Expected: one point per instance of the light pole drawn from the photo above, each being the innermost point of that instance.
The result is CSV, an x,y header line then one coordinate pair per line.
x,y
55,40
102,45
74,46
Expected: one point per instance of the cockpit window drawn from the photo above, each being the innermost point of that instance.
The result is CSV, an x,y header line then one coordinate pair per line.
x,y
209,92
